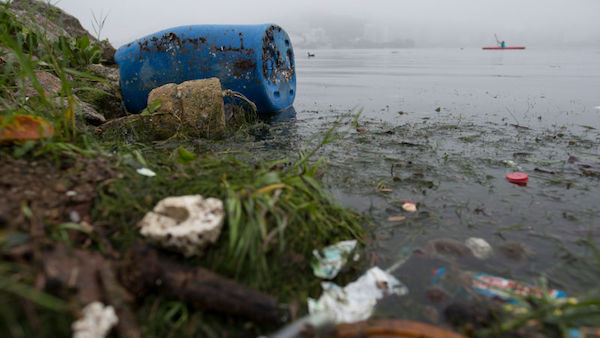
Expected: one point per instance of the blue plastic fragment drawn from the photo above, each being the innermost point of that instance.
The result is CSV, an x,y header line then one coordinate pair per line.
x,y
255,60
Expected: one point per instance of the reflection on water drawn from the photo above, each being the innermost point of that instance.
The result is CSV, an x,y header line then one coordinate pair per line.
x,y
562,86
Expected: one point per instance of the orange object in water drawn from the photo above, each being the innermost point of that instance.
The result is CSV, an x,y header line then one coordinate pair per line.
x,y
518,178
382,328
25,128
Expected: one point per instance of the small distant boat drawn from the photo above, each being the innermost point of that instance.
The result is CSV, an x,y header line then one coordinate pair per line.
x,y
310,55
501,45
499,48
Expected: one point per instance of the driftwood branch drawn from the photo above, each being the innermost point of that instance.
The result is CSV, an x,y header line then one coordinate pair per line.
x,y
143,270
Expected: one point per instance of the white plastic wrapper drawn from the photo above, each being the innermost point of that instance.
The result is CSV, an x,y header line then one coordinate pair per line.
x,y
331,259
356,301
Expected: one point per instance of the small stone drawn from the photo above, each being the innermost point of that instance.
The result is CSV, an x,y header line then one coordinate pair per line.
x,y
437,295
481,249
515,251
431,314
59,187
71,193
361,130
74,216
448,247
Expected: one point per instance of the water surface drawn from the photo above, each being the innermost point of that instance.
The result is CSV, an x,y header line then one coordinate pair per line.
x,y
442,128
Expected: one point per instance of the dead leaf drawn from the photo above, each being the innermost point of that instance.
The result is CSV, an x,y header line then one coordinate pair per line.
x,y
25,128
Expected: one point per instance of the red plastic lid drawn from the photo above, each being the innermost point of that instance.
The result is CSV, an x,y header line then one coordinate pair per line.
x,y
517,177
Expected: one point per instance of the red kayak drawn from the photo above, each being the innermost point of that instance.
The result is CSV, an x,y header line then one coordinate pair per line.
x,y
494,48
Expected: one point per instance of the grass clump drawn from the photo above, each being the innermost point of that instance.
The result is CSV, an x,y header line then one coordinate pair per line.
x,y
276,211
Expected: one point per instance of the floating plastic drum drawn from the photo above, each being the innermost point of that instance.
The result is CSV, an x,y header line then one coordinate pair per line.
x,y
255,60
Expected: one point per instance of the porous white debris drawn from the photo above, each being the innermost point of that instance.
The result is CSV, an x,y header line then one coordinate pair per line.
x,y
96,322
184,223
481,249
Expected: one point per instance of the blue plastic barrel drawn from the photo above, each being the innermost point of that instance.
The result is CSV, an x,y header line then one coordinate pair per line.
x,y
255,60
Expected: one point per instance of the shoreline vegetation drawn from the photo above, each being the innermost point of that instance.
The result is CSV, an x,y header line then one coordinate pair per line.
x,y
71,200
86,198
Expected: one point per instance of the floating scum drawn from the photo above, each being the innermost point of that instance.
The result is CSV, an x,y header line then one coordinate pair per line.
x,y
255,60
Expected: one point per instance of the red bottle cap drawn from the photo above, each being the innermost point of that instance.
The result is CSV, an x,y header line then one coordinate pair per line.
x,y
517,177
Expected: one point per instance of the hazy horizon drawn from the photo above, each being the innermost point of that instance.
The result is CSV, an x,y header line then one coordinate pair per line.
x,y
319,24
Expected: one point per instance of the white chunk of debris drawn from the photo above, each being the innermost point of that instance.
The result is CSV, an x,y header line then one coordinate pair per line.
x,y
481,249
184,223
146,172
96,322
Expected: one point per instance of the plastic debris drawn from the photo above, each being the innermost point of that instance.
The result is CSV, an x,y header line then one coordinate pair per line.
x,y
481,249
396,218
356,300
498,287
517,178
510,163
184,223
330,260
146,172
409,206
504,288
96,322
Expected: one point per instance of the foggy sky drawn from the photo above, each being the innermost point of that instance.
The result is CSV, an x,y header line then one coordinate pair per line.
x,y
429,23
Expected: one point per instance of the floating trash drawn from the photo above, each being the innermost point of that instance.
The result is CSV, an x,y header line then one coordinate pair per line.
x,y
510,163
481,249
356,301
330,260
409,206
498,287
518,178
